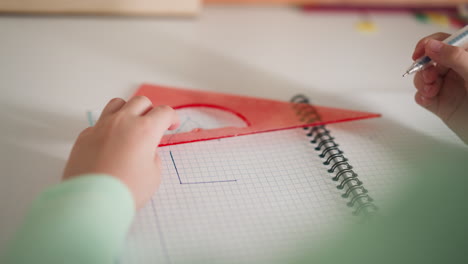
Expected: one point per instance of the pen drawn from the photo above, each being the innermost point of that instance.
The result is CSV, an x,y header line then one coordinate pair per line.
x,y
459,38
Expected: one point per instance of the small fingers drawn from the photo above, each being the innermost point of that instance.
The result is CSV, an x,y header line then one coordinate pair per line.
x,y
418,80
428,82
138,105
441,69
419,50
428,103
430,75
113,106
449,56
433,89
164,118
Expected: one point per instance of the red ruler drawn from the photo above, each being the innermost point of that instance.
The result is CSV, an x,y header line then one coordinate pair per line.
x,y
260,115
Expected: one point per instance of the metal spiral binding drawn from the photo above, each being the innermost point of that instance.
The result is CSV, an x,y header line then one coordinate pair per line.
x,y
353,189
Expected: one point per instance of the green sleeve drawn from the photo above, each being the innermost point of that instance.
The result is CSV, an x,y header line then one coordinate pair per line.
x,y
84,220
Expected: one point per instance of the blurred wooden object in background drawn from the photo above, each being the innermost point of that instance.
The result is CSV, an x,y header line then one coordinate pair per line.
x,y
183,7
100,7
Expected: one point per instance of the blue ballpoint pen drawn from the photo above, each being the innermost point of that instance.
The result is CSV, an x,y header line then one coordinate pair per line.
x,y
459,38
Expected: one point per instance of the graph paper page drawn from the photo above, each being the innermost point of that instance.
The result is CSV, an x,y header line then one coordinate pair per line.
x,y
247,199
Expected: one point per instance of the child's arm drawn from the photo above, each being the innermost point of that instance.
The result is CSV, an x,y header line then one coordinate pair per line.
x,y
443,89
83,220
113,169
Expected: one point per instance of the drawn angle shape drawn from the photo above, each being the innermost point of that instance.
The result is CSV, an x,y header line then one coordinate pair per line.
x,y
260,115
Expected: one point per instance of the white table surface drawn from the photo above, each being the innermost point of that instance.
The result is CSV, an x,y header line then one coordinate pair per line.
x,y
54,69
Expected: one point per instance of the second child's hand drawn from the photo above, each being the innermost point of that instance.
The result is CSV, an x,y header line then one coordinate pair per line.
x,y
443,89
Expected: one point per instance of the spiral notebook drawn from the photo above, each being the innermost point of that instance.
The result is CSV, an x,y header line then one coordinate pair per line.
x,y
251,199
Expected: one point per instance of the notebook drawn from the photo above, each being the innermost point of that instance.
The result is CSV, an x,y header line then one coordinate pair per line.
x,y
229,200
265,197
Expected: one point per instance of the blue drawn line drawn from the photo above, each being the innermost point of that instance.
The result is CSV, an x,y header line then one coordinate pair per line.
x,y
208,182
180,181
177,171
161,235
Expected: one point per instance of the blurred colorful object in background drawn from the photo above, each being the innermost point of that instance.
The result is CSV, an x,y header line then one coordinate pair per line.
x,y
446,18
454,16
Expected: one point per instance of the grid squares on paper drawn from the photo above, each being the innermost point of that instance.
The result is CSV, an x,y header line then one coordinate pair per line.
x,y
194,173
282,195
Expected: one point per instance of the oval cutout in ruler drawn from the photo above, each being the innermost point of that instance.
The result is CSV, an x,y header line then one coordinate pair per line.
x,y
260,115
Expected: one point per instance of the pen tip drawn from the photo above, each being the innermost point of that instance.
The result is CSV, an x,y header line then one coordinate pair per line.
x,y
406,73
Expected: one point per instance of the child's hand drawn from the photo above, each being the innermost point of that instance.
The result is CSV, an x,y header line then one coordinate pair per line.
x,y
123,144
443,89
